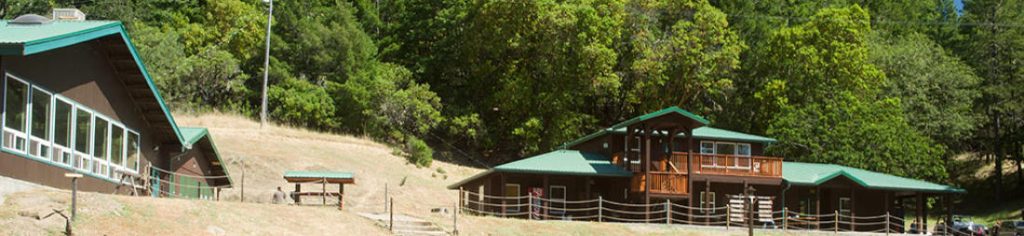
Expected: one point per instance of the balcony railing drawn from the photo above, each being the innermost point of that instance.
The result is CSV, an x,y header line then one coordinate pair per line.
x,y
662,183
736,165
714,164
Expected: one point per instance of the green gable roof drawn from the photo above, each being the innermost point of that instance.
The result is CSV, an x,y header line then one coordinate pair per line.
x,y
23,40
558,162
812,174
704,132
318,174
652,115
31,39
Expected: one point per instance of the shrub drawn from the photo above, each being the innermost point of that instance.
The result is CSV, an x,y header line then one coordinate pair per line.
x,y
419,153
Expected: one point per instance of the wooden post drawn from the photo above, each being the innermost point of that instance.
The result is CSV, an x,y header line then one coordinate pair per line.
x,y
836,223
707,213
728,216
785,218
817,207
529,205
298,190
887,225
218,193
547,203
341,196
455,219
386,196
461,199
600,209
647,174
668,211
323,191
689,173
391,216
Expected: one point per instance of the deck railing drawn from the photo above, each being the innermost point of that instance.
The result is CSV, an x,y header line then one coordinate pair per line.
x,y
736,165
662,183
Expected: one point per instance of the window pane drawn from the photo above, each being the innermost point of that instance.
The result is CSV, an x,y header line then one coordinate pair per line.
x,y
117,145
16,93
62,124
743,149
707,147
100,139
133,151
40,114
725,149
83,123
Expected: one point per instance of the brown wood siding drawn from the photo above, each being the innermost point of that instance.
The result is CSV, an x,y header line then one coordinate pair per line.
x,y
83,74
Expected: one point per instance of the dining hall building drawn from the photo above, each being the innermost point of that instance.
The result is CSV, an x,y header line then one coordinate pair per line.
x,y
77,99
669,166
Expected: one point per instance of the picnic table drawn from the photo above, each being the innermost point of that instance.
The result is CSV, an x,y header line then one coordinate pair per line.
x,y
323,178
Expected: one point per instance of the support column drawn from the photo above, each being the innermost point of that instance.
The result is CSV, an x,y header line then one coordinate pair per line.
x,y
853,209
817,206
502,196
586,188
298,191
919,202
707,213
341,197
547,190
646,163
924,214
689,172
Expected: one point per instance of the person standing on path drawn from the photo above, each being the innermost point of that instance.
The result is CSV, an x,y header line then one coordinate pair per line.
x,y
279,196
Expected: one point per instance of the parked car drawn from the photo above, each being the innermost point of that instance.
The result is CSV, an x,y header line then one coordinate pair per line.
x,y
961,226
1009,228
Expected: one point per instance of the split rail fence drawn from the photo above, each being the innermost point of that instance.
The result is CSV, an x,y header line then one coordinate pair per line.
x,y
730,216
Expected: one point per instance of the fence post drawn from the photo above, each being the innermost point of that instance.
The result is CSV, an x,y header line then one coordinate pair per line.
x,y
529,206
888,226
785,219
600,209
455,220
391,216
836,223
728,216
668,212
386,195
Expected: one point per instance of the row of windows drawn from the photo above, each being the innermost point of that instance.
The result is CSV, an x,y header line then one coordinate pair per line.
x,y
52,128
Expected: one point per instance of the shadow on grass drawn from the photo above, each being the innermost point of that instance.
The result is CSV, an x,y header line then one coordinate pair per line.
x,y
980,200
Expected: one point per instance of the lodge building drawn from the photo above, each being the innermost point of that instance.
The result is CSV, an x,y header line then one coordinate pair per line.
x,y
672,166
77,98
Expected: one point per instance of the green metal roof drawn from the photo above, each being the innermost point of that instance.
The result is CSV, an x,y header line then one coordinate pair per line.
x,y
23,40
193,134
558,162
29,39
669,110
318,174
704,132
812,174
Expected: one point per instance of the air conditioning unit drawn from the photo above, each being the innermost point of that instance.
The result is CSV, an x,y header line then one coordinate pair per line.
x,y
68,14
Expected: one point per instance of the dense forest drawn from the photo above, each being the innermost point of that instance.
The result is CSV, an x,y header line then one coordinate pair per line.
x,y
894,86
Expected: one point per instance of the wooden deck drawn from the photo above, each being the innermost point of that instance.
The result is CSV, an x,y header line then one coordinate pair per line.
x,y
670,175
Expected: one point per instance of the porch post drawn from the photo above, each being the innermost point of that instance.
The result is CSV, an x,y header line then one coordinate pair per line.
x,y
502,195
586,187
918,201
547,203
625,153
298,196
887,210
817,206
924,214
647,173
707,213
689,172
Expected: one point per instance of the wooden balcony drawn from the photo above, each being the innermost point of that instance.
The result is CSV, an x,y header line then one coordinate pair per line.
x,y
734,165
662,183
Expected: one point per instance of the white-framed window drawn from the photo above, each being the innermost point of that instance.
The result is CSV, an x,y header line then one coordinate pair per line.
x,y
512,197
739,152
83,139
52,128
39,127
132,154
100,147
707,202
557,196
15,129
63,131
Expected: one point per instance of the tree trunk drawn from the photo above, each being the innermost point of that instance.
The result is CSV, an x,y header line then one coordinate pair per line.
x,y
1019,153
999,159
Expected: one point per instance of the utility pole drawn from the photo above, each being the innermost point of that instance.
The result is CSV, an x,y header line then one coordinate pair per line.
x,y
266,66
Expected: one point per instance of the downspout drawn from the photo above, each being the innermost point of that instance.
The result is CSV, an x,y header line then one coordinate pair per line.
x,y
788,185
